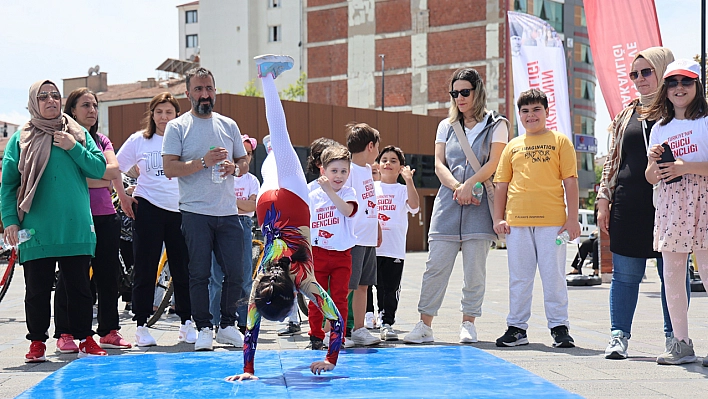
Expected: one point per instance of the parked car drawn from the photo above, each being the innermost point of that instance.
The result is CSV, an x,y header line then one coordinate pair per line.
x,y
587,221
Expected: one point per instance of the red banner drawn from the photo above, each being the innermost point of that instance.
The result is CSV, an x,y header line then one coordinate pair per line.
x,y
618,30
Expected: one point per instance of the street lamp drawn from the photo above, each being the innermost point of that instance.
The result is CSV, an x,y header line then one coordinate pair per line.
x,y
382,80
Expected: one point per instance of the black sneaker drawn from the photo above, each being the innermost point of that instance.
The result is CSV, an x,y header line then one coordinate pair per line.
x,y
316,344
513,336
291,329
561,338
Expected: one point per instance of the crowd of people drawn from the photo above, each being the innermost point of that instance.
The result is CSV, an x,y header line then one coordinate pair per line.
x,y
335,238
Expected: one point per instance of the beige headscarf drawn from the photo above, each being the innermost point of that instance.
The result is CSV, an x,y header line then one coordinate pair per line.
x,y
36,144
659,58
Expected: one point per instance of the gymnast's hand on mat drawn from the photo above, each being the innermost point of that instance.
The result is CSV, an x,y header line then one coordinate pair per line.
x,y
318,367
241,377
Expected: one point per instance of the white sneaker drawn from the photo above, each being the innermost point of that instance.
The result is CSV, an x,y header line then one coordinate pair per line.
x,y
420,334
617,348
379,319
363,337
143,337
187,332
205,339
387,333
326,339
348,342
230,336
468,333
369,321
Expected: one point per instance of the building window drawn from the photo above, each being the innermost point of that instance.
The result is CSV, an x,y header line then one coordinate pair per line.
x,y
273,3
580,16
192,17
583,53
584,89
274,33
548,10
192,41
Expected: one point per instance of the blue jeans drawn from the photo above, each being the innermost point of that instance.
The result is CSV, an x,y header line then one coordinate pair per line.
x,y
624,292
205,235
217,278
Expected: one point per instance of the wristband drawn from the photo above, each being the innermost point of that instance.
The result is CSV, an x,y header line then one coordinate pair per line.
x,y
204,163
458,185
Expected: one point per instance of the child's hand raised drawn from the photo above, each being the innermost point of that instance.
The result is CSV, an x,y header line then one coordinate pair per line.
x,y
407,173
323,181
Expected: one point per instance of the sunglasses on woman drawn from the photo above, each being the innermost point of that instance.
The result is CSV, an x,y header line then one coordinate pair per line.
x,y
685,82
43,96
464,92
646,72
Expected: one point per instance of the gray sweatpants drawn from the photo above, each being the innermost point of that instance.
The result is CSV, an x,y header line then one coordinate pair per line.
x,y
438,268
526,248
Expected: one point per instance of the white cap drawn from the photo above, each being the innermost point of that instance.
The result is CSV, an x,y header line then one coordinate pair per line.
x,y
683,67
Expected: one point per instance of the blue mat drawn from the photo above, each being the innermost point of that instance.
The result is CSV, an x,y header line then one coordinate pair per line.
x,y
420,372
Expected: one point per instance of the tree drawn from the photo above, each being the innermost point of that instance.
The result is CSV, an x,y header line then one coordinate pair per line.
x,y
251,90
295,92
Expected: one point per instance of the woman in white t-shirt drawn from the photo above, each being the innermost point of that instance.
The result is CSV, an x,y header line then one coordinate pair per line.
x,y
681,219
155,208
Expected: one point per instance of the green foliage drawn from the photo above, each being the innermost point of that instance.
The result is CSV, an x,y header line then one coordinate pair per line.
x,y
295,92
251,90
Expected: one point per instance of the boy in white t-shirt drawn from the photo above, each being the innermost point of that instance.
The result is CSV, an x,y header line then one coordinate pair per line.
x,y
332,206
246,188
395,201
363,143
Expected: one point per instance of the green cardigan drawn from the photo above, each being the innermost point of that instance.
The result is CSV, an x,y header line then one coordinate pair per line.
x,y
61,211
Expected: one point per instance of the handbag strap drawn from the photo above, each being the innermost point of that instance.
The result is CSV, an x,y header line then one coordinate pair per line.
x,y
644,133
474,163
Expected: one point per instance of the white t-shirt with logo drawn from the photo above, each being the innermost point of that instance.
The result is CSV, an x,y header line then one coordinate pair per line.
x,y
245,186
329,228
152,183
393,211
366,227
688,139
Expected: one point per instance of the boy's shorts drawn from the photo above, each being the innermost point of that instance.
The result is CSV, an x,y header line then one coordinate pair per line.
x,y
363,267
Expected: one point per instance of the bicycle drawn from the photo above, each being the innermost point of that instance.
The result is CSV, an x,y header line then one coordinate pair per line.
x,y
162,281
8,261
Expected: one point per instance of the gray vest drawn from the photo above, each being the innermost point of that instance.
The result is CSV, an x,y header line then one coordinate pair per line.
x,y
453,222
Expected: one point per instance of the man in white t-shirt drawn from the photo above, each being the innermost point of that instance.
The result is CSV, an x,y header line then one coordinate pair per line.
x,y
194,143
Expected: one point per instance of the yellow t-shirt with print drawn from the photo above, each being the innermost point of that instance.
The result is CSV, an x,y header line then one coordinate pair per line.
x,y
535,166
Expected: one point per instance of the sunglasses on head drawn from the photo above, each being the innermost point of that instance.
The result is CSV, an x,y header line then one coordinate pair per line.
x,y
646,72
685,82
44,95
464,92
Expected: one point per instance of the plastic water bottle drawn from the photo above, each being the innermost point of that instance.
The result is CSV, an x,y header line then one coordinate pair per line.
x,y
216,172
477,191
22,236
563,238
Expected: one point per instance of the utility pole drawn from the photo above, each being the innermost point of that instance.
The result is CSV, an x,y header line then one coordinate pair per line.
x,y
382,77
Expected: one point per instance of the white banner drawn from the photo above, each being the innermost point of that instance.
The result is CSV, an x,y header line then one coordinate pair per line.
x,y
538,62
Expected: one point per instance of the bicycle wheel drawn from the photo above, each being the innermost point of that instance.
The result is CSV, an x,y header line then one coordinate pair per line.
x,y
163,289
163,304
302,303
7,269
256,255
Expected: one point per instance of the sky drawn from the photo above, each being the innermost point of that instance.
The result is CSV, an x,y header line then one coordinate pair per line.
x,y
54,40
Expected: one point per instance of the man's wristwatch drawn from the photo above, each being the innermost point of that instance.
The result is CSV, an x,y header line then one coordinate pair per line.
x,y
203,163
236,170
458,185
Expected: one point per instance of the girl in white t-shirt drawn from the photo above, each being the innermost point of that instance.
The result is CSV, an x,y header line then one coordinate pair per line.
x,y
155,208
681,220
395,201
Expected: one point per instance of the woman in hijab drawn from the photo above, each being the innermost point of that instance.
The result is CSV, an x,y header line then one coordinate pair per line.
x,y
44,188
630,219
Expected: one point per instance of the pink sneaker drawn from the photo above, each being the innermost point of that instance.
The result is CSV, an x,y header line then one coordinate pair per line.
x,y
114,341
90,348
66,344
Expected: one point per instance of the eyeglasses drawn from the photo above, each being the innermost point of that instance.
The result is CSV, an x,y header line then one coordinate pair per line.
x,y
646,72
44,95
464,92
685,82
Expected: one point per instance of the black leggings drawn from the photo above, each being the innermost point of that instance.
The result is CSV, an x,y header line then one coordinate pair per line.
x,y
586,246
152,227
73,289
106,273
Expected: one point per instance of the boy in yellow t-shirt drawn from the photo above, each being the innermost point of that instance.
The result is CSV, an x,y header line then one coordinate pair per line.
x,y
535,172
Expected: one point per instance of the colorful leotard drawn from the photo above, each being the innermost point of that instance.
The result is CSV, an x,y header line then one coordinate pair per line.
x,y
284,216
